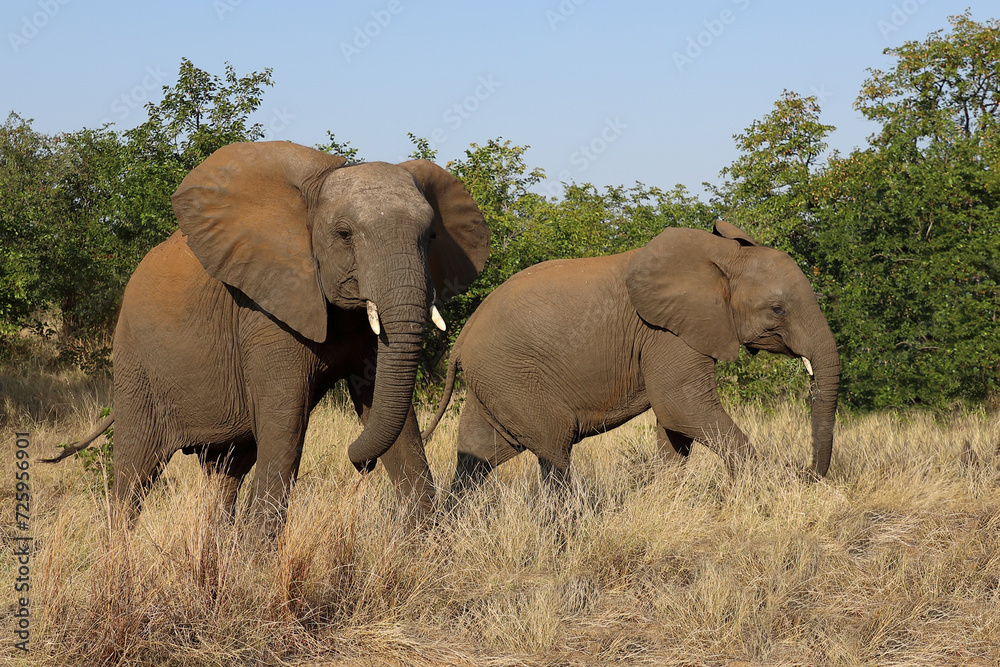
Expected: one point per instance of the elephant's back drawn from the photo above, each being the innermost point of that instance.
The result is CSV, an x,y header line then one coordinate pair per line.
x,y
561,288
169,272
170,297
537,315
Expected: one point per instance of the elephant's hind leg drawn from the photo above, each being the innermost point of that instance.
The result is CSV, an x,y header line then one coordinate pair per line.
x,y
556,478
480,447
229,466
672,446
142,440
139,458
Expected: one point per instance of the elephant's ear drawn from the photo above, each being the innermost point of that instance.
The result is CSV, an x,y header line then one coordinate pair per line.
x,y
675,284
727,230
245,215
462,243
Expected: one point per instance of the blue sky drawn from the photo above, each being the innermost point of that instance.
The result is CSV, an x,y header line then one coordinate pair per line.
x,y
602,92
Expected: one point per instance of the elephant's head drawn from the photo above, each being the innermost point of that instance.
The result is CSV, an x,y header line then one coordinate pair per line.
x,y
719,291
296,229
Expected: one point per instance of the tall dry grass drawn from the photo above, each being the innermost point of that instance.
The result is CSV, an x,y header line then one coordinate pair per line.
x,y
893,559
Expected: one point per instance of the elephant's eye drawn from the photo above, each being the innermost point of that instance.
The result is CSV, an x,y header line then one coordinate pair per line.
x,y
343,232
778,310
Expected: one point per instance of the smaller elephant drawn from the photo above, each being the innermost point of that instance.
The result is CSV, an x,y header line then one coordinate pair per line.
x,y
572,348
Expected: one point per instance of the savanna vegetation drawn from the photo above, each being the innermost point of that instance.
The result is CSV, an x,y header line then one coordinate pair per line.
x,y
893,559
900,237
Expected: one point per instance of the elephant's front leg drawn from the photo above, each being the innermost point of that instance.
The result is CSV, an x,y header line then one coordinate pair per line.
x,y
684,396
279,432
405,462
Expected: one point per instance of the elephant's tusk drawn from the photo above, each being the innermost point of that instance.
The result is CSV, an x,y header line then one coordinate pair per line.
x,y
809,366
437,319
373,317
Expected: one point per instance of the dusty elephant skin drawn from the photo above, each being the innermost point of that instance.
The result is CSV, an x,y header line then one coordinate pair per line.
x,y
571,348
291,270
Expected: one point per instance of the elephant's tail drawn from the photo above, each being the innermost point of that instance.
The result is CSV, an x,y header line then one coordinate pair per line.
x,y
449,386
83,444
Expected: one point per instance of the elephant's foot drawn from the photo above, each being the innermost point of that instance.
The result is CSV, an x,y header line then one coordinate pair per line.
x,y
470,472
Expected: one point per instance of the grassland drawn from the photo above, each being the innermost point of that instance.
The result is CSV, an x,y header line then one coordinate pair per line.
x,y
894,559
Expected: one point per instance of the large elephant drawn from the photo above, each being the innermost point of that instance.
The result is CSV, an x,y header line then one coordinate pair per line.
x,y
290,270
571,348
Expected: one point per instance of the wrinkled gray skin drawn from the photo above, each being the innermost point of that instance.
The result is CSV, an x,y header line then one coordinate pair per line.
x,y
571,348
233,329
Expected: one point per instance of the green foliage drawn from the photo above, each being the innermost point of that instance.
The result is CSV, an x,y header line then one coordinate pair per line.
x,y
500,182
79,210
900,238
335,147
60,246
769,193
198,115
909,228
421,148
770,197
29,166
97,460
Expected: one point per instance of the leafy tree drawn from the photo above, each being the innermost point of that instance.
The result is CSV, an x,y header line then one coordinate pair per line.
x,y
909,232
500,182
343,149
590,223
58,247
901,237
198,115
83,257
79,210
769,195
29,166
421,148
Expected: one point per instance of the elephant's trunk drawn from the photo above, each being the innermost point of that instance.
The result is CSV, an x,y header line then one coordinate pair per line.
x,y
402,312
826,381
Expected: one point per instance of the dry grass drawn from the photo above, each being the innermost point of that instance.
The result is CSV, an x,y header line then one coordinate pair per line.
x,y
893,559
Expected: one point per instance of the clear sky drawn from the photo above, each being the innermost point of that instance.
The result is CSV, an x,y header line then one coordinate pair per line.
x,y
603,92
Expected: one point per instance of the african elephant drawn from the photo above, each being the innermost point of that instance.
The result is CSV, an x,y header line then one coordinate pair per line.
x,y
290,270
571,348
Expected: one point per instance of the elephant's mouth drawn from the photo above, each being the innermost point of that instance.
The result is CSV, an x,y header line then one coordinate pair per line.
x,y
769,342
